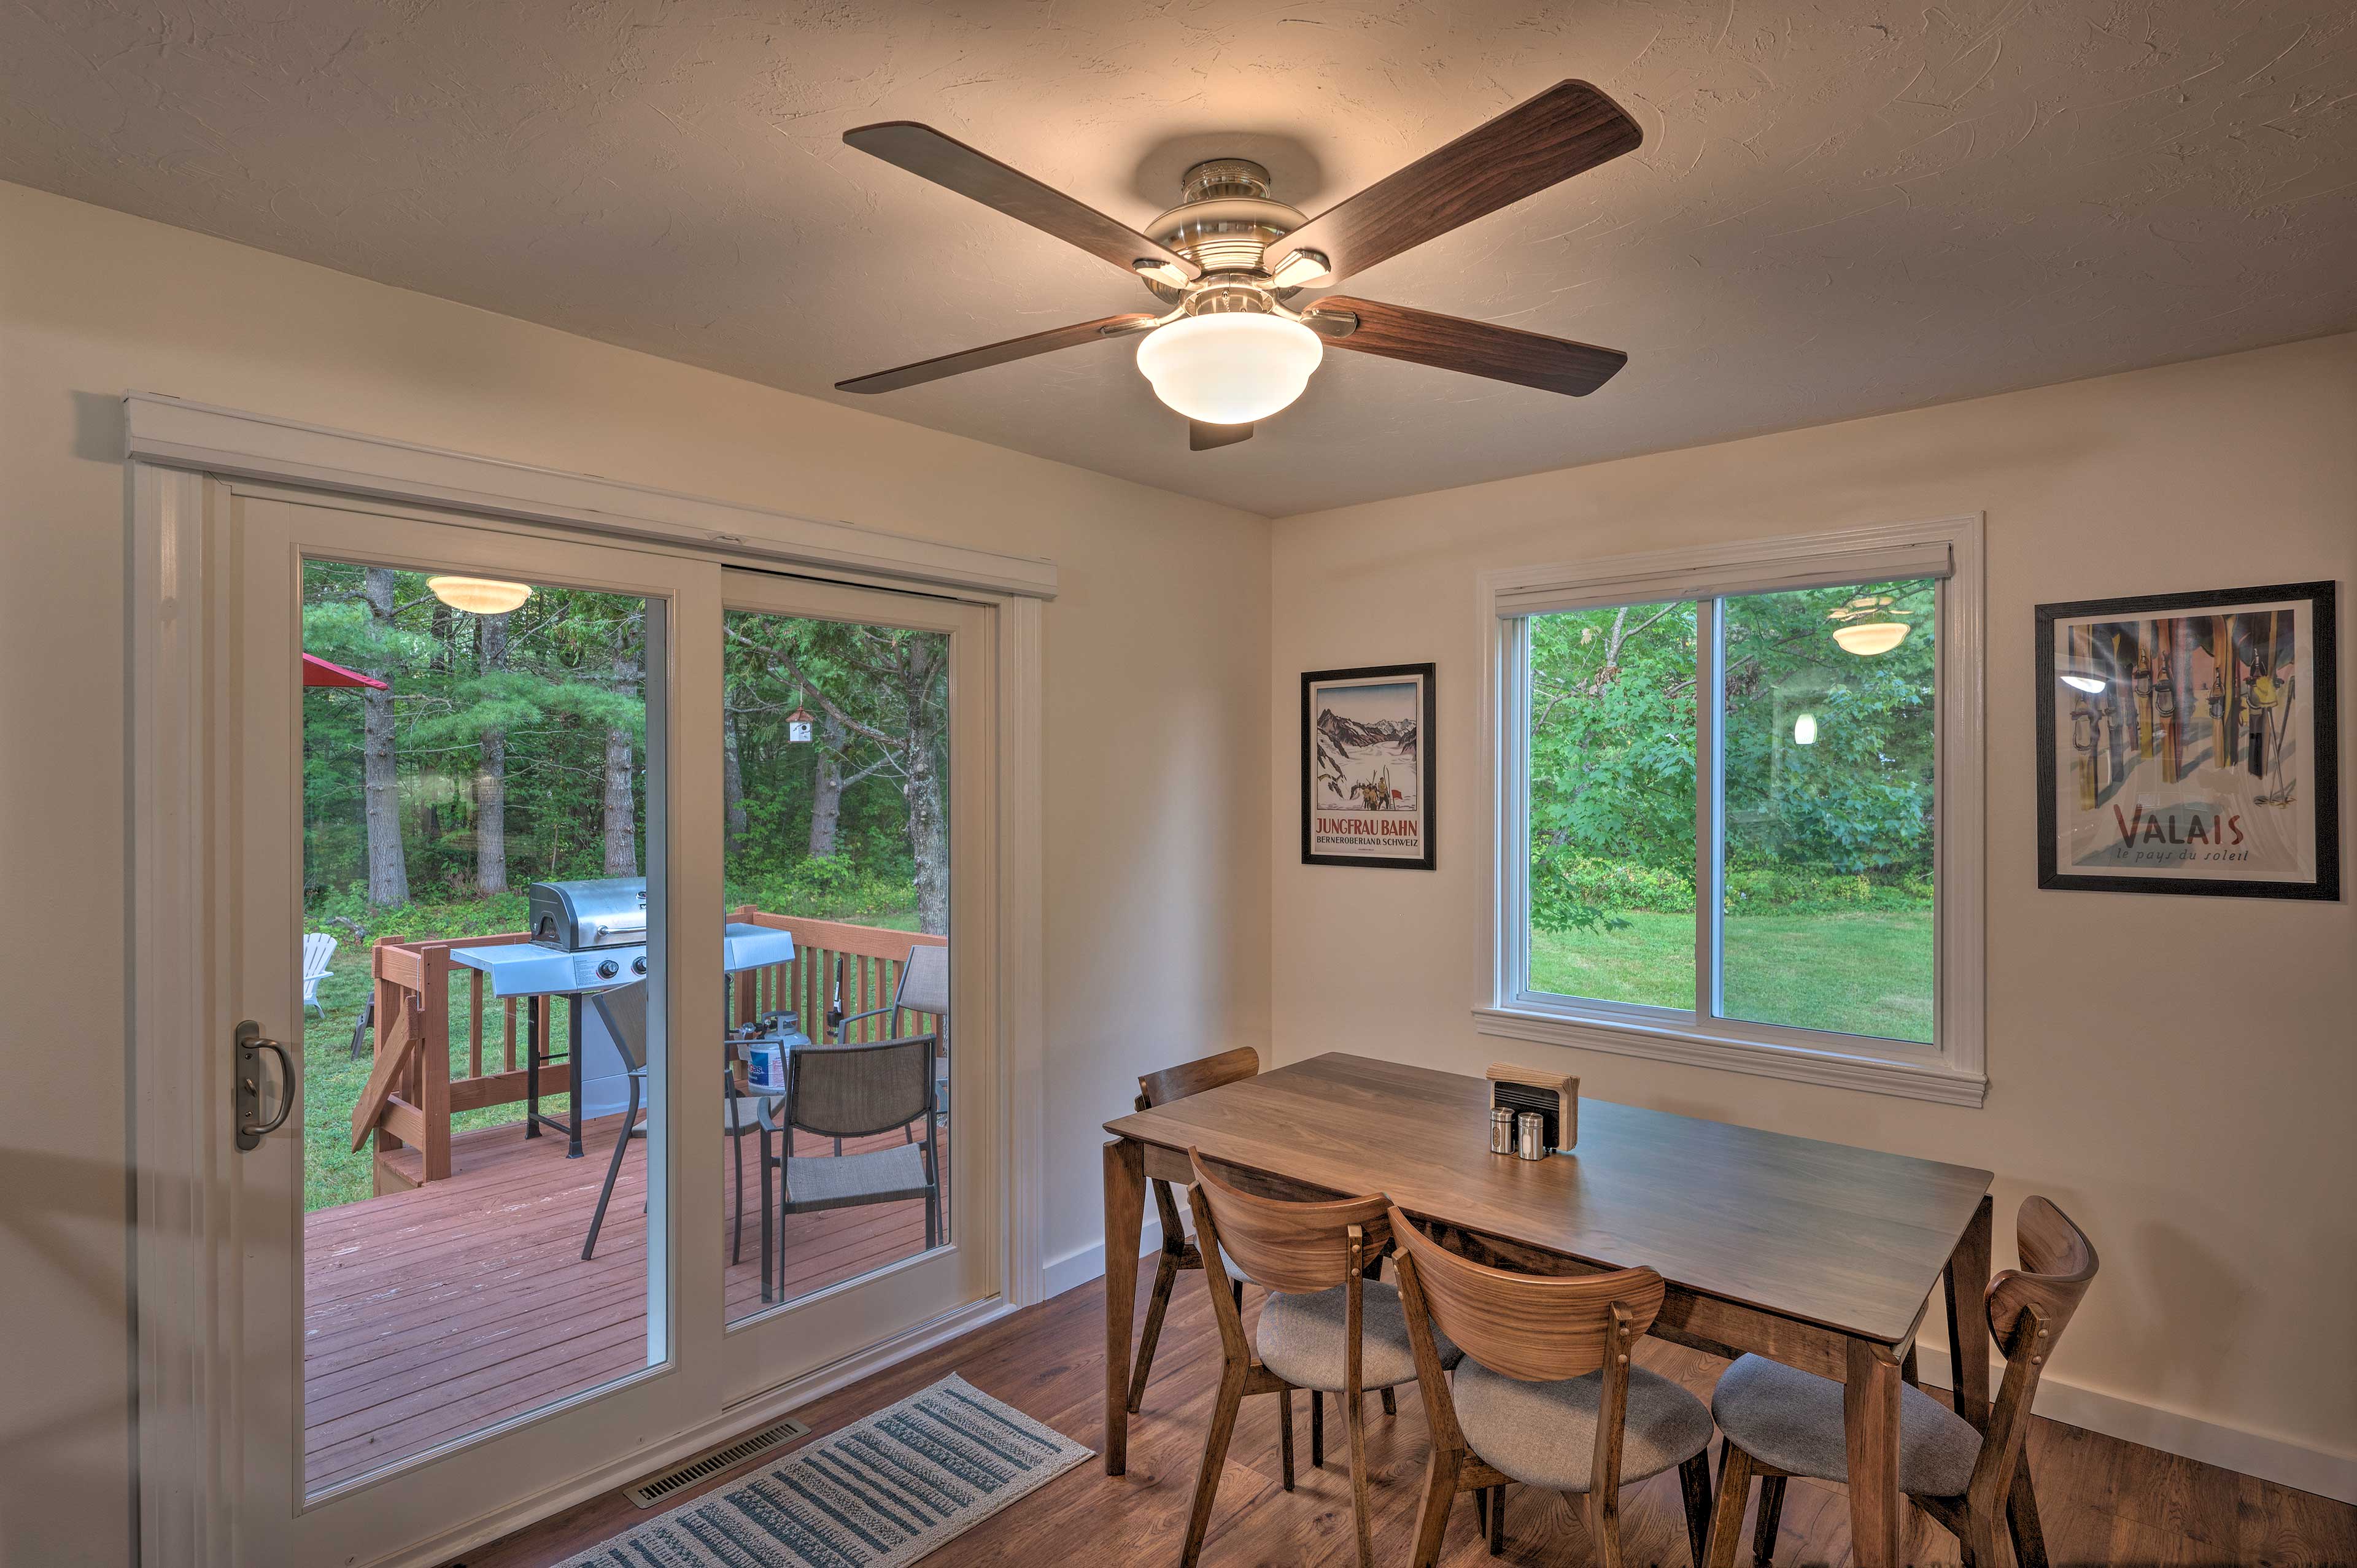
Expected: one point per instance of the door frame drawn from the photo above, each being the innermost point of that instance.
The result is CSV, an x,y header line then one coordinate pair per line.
x,y
179,458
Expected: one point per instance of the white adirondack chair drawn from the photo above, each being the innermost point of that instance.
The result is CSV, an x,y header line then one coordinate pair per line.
x,y
318,952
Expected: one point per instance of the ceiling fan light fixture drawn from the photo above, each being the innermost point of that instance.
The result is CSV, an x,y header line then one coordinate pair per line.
x,y
1232,368
479,596
1868,637
1867,625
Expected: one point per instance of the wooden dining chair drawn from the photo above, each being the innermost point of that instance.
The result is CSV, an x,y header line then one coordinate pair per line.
x,y
1545,1395
1782,1421
1178,1253
1325,1326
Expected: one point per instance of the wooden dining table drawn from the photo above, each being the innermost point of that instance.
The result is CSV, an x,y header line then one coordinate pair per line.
x,y
1819,1255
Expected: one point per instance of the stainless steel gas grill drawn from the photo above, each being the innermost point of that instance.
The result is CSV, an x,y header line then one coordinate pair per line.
x,y
589,936
572,917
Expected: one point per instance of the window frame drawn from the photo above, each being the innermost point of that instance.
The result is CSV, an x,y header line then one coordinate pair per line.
x,y
1952,1070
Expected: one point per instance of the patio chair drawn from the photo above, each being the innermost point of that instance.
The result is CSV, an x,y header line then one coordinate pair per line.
x,y
624,1010
318,952
924,987
854,1091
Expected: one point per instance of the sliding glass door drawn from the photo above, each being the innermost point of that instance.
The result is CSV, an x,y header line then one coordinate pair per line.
x,y
566,888
855,777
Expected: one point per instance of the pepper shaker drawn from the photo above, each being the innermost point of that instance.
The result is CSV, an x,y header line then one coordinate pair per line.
x,y
1501,1130
1530,1135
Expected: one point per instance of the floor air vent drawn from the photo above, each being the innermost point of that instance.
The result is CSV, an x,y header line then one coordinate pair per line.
x,y
646,1494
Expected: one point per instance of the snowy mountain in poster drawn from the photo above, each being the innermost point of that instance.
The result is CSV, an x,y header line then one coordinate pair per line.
x,y
1366,748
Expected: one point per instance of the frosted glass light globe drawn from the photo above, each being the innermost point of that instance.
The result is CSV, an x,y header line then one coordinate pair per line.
x,y
1230,369
1868,637
479,596
1804,730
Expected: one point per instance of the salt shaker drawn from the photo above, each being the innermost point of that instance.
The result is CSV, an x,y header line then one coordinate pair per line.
x,y
1530,1135
1501,1130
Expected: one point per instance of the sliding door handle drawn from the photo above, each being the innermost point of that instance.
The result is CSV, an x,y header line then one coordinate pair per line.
x,y
247,1093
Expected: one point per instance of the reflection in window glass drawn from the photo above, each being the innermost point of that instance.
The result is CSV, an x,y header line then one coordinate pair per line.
x,y
1828,810
1612,804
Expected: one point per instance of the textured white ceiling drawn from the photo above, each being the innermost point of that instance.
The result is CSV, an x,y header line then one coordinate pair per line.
x,y
1841,208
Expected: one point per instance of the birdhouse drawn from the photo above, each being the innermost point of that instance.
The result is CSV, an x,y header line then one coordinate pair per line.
x,y
798,726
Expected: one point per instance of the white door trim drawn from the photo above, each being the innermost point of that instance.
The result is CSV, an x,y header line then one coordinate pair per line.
x,y
169,431
184,1236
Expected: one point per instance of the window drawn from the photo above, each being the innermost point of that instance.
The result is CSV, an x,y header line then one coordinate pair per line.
x,y
1738,812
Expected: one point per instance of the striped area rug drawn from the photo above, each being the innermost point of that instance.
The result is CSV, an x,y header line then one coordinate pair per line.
x,y
874,1494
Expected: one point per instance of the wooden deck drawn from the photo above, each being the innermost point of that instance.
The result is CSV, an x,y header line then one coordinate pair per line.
x,y
431,1314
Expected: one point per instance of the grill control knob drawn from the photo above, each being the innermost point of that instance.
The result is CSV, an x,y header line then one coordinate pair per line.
x,y
608,970
638,966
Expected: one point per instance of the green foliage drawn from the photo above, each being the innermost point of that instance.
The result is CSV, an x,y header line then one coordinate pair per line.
x,y
1844,822
1562,880
825,887
348,916
571,676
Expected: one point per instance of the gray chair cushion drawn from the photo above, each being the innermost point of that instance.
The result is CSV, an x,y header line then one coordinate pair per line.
x,y
884,1175
1792,1419
1300,1338
1543,1434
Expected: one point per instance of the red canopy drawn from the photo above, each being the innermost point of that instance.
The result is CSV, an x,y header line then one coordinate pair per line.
x,y
320,673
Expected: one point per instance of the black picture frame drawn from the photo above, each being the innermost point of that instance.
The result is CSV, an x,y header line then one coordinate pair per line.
x,y
2324,800
1427,754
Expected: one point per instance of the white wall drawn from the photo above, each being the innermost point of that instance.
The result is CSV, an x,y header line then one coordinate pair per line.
x,y
1157,663
2179,1074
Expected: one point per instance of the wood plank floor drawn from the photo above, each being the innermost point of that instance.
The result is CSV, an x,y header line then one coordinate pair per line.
x,y
431,1314
2104,1501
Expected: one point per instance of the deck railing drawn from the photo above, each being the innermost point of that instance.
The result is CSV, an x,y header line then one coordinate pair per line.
x,y
414,1088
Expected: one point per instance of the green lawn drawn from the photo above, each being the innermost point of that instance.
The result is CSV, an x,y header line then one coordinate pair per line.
x,y
332,1081
1864,973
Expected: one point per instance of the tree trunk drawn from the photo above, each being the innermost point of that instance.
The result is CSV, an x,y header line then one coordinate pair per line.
x,y
826,790
621,821
732,781
388,871
491,771
921,786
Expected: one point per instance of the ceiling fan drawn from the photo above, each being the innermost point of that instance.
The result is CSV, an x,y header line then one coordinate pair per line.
x,y
1230,349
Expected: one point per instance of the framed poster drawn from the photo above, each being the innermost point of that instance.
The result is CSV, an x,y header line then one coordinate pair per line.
x,y
1367,767
2190,743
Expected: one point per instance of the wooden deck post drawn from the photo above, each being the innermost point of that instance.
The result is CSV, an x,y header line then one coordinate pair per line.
x,y
433,1061
388,1011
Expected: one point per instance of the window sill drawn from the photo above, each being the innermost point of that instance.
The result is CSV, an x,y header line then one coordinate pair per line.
x,y
1694,1048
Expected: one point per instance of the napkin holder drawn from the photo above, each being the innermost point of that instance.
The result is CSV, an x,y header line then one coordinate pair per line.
x,y
1554,1095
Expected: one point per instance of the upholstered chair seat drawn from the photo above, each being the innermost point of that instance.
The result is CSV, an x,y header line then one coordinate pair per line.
x,y
1792,1419
1543,1434
1302,1338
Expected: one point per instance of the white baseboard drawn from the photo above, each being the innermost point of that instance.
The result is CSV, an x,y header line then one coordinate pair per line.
x,y
743,1416
1078,1267
2230,1448
2252,1454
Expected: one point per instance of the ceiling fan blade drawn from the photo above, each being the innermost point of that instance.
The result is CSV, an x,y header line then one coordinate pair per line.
x,y
1202,437
1568,129
928,154
1476,348
999,353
